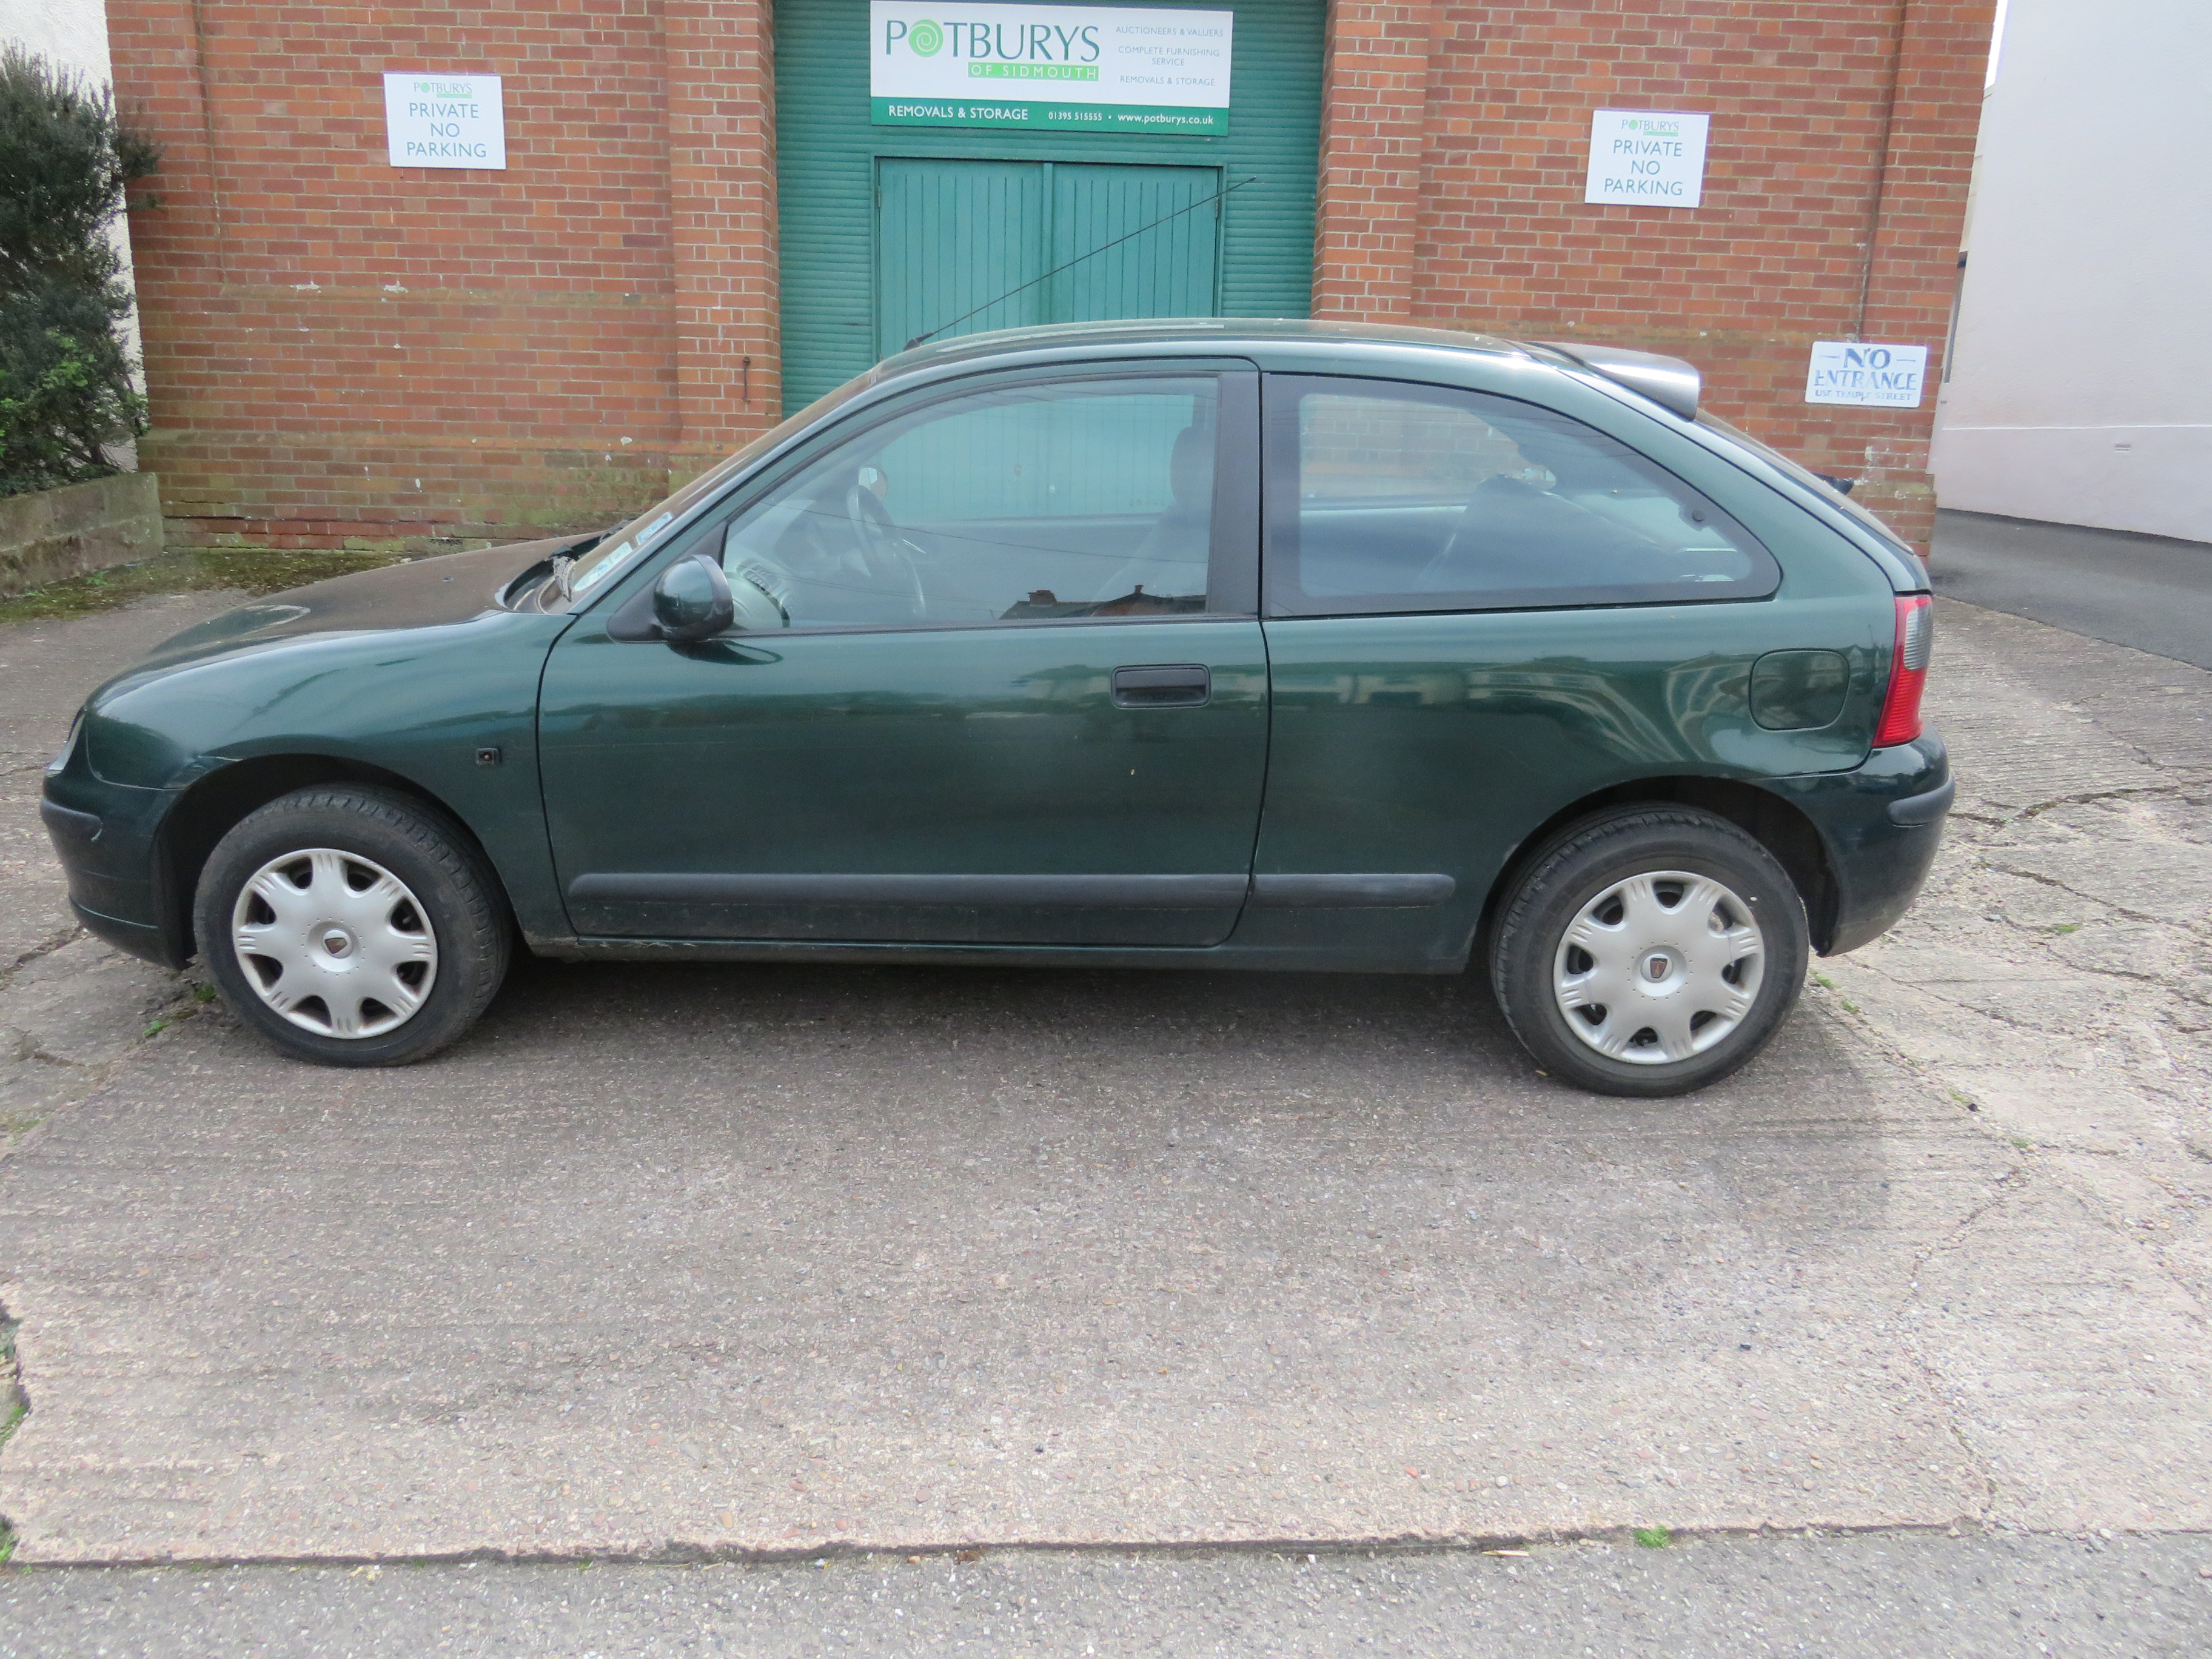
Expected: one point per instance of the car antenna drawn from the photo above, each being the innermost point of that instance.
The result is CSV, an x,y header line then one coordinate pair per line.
x,y
921,339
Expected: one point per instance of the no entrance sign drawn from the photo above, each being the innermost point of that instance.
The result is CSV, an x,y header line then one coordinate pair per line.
x,y
1868,375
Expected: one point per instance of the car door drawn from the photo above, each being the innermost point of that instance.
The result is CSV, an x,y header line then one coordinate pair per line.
x,y
999,678
1478,612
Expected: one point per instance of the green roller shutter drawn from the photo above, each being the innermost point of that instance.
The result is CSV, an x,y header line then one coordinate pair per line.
x,y
963,246
1005,208
857,203
1168,269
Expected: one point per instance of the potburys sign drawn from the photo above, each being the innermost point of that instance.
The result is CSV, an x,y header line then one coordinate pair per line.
x,y
1058,69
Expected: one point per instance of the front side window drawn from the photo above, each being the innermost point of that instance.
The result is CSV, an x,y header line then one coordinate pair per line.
x,y
621,547
1390,497
1027,503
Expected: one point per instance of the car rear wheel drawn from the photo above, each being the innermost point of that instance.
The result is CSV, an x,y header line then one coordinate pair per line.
x,y
352,926
1649,952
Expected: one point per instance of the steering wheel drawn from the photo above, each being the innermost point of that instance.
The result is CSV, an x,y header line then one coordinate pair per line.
x,y
887,554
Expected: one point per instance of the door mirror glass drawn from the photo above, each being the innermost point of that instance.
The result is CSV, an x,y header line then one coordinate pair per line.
x,y
691,601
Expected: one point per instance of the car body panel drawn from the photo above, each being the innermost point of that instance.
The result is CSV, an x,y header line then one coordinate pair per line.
x,y
413,669
993,750
1429,746
1437,742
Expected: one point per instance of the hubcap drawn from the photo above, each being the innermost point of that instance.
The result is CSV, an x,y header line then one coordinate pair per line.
x,y
335,943
1659,966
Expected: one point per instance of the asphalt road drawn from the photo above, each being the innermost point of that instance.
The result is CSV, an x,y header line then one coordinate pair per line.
x,y
1866,1597
2149,591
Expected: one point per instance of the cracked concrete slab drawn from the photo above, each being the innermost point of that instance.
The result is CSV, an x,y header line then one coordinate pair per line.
x,y
761,1259
66,1015
2057,979
70,1006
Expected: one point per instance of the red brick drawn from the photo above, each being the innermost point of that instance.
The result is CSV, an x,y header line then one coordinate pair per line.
x,y
322,329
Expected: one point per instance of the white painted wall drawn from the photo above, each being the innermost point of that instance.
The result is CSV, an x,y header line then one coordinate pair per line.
x,y
2080,386
70,32
73,34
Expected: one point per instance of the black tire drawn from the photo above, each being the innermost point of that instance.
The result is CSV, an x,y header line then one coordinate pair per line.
x,y
457,900
1530,953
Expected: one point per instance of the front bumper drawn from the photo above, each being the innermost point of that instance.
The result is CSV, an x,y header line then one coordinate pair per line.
x,y
1880,825
105,836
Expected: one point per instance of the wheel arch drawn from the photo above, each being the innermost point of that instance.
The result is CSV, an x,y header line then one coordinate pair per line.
x,y
1776,824
208,809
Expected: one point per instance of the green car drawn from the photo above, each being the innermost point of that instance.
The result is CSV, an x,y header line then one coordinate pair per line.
x,y
1207,644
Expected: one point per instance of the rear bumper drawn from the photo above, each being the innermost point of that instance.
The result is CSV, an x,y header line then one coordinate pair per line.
x,y
1880,825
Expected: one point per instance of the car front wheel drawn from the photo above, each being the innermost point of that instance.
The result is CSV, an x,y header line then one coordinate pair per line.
x,y
1649,952
352,926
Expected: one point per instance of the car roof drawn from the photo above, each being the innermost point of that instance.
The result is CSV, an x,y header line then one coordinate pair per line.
x,y
1184,333
1669,382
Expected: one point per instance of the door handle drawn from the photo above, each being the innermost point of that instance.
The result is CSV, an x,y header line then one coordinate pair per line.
x,y
1166,686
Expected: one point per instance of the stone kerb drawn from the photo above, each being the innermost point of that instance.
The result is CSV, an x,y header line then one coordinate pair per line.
x,y
56,534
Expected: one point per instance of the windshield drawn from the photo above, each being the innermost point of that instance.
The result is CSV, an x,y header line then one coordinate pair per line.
x,y
1805,476
620,547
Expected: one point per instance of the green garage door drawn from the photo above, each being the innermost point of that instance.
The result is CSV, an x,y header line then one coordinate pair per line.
x,y
889,231
962,247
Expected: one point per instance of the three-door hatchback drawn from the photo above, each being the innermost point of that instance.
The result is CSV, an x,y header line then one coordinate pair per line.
x,y
1210,644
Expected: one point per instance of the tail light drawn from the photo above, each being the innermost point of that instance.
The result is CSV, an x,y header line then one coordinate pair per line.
x,y
1908,670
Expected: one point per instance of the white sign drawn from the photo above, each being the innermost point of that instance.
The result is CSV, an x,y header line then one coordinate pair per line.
x,y
1059,69
1874,376
444,121
1647,157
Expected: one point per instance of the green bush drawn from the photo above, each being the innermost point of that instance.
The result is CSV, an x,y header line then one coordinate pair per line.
x,y
67,160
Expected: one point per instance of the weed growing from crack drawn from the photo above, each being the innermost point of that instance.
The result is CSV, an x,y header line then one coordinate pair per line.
x,y
1654,1538
15,1407
201,994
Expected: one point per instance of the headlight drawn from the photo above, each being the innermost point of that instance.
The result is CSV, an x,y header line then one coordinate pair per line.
x,y
68,744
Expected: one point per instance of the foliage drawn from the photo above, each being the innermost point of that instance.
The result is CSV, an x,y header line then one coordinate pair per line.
x,y
67,161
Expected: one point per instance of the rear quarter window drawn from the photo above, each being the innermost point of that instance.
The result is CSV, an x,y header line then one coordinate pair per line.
x,y
1385,497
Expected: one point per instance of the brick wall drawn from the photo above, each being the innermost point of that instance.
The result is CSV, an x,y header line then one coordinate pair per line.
x,y
340,352
1835,192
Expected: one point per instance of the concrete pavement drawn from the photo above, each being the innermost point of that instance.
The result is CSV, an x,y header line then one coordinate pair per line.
x,y
758,1259
70,1006
2151,593
1867,1597
720,1262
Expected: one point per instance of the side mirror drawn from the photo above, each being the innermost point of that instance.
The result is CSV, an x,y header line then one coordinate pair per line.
x,y
691,601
